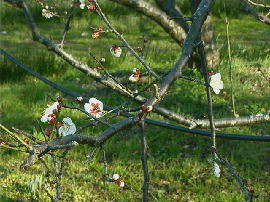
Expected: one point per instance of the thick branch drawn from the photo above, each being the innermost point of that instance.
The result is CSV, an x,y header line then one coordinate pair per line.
x,y
156,14
37,151
248,8
189,43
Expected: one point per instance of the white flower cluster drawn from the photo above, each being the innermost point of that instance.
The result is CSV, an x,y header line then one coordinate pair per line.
x,y
47,13
216,83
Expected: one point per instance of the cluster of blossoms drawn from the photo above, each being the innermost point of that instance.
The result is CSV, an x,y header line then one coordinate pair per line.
x,y
47,13
216,83
49,115
91,6
94,107
116,51
136,75
116,179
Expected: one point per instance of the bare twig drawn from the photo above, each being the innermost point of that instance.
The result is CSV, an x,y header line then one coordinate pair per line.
x,y
120,36
144,161
234,174
67,24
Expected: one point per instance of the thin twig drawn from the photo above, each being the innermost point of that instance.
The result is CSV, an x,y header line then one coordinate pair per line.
x,y
234,174
120,36
144,157
230,61
67,25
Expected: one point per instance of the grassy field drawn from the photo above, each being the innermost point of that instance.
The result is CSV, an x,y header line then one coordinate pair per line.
x,y
179,164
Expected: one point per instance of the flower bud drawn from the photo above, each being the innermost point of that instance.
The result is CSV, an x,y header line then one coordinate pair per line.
x,y
91,7
146,109
47,131
102,60
59,124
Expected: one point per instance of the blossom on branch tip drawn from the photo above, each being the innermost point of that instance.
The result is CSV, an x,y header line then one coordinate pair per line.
x,y
68,127
216,83
49,114
116,51
94,107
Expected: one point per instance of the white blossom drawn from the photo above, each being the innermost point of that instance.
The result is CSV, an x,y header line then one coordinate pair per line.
x,y
216,170
134,78
115,176
122,184
94,107
82,4
68,127
116,51
49,112
216,83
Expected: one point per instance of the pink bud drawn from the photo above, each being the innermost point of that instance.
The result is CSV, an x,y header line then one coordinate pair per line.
x,y
47,131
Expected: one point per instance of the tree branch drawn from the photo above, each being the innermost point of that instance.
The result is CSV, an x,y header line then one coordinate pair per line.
x,y
38,151
248,8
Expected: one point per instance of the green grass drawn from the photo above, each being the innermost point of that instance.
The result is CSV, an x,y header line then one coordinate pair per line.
x,y
178,163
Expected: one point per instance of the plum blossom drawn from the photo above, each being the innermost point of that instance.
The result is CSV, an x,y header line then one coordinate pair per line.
x,y
47,13
94,107
216,83
135,76
67,128
91,7
115,176
216,170
116,51
120,183
95,35
49,114
82,4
